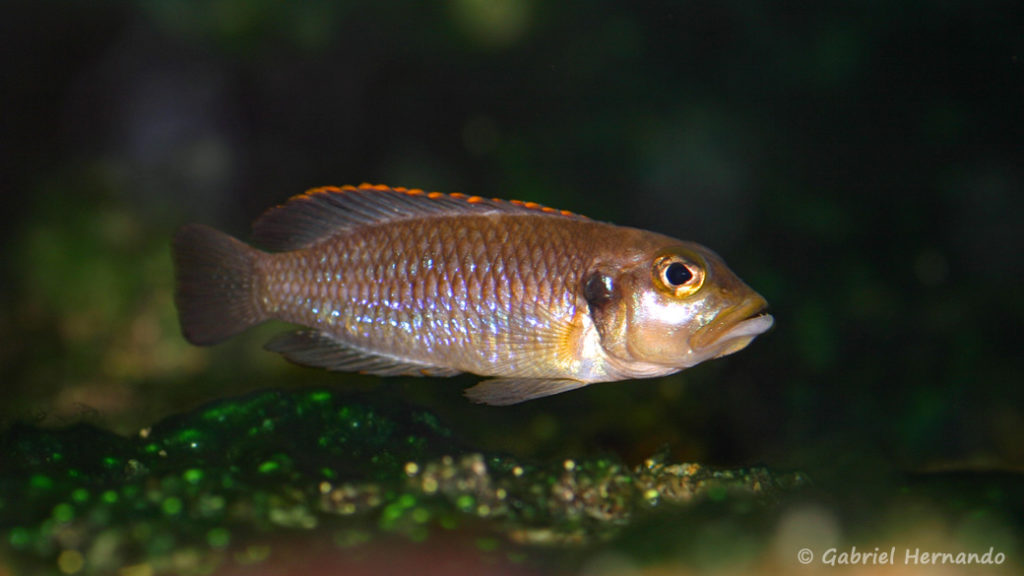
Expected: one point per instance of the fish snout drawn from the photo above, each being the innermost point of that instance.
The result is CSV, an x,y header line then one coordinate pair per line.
x,y
734,327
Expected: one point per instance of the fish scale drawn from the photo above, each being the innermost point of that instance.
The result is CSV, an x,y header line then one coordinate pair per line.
x,y
375,302
402,282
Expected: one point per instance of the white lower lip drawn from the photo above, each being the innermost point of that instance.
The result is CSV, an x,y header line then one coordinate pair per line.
x,y
750,327
733,340
741,335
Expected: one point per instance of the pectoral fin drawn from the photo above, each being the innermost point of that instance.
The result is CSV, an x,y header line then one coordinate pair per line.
x,y
505,391
314,348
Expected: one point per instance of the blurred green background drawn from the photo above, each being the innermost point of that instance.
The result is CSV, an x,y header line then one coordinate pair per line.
x,y
860,164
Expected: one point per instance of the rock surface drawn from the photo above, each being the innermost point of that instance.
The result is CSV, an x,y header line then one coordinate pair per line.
x,y
251,482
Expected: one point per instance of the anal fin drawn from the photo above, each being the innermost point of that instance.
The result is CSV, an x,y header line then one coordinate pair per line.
x,y
314,348
506,391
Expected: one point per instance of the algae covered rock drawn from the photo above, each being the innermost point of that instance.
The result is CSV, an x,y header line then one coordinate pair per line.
x,y
236,483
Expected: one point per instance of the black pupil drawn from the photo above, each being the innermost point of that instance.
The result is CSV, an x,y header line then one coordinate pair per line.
x,y
678,274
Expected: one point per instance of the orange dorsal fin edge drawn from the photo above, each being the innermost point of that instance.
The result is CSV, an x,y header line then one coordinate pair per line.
x,y
324,211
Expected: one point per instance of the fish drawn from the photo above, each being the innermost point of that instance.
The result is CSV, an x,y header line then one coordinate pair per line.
x,y
404,282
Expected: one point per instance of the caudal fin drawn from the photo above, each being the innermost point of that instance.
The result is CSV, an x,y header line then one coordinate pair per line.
x,y
215,284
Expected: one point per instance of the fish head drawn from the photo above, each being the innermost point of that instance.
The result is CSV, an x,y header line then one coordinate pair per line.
x,y
673,308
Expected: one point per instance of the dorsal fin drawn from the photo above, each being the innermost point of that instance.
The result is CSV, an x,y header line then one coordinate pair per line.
x,y
321,212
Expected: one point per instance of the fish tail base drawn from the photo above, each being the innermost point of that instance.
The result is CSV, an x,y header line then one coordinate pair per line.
x,y
216,292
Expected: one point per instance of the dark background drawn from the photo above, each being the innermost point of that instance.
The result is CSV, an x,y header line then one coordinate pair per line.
x,y
859,164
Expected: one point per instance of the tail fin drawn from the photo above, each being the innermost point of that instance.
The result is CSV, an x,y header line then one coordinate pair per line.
x,y
215,284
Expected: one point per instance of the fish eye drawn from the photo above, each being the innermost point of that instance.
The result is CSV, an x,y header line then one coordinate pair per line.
x,y
678,275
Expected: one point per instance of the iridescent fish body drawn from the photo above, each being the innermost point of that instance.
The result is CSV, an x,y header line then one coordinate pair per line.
x,y
392,281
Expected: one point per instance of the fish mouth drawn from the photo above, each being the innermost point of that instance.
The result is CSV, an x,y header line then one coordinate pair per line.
x,y
733,329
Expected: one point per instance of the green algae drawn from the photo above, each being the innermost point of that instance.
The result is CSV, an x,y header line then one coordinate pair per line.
x,y
270,462
239,482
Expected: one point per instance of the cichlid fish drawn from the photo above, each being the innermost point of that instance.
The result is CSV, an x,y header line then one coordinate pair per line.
x,y
391,281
